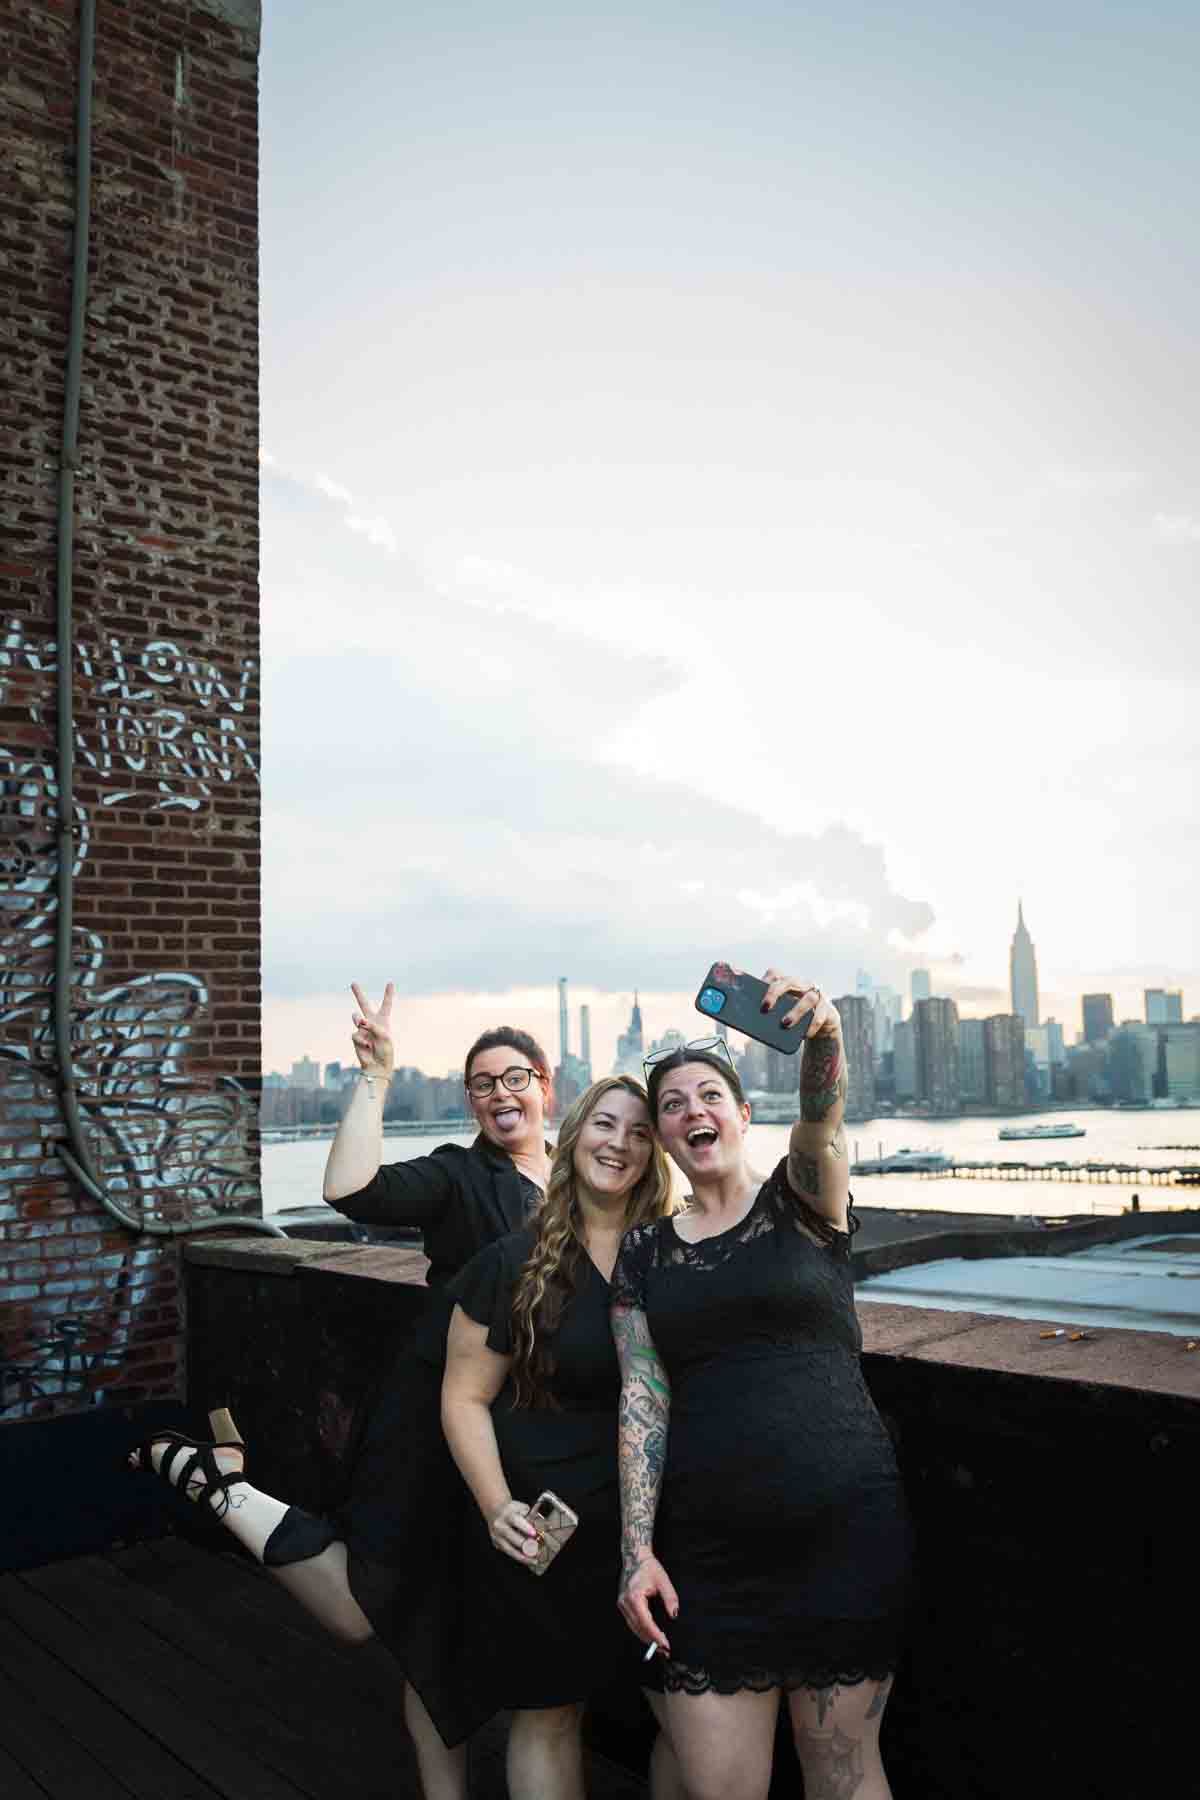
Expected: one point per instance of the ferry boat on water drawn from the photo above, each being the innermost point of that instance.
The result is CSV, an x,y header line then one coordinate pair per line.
x,y
1011,1133
912,1162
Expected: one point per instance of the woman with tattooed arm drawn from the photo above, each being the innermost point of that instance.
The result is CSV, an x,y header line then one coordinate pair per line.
x,y
761,1506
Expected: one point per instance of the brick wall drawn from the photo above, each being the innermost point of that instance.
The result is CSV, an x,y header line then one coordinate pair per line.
x,y
165,1004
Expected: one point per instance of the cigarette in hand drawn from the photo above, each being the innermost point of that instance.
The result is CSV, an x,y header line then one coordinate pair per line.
x,y
651,1652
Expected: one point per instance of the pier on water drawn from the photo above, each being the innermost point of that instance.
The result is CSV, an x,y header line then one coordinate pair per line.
x,y
430,1128
1131,1174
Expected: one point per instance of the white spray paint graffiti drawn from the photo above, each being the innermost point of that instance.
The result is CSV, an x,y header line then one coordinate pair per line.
x,y
172,1147
146,717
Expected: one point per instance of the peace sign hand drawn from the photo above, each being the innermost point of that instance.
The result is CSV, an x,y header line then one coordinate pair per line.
x,y
372,1039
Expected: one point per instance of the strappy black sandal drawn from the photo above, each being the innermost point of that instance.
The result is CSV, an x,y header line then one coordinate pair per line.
x,y
202,1460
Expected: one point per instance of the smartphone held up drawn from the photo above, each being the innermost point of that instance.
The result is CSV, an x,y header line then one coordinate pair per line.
x,y
730,997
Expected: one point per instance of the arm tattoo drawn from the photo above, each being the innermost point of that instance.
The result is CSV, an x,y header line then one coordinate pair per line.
x,y
822,1078
641,1433
818,1167
881,1698
805,1173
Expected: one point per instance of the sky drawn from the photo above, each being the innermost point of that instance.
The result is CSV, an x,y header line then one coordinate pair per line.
x,y
730,489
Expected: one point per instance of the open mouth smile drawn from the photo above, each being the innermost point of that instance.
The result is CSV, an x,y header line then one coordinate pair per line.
x,y
701,1137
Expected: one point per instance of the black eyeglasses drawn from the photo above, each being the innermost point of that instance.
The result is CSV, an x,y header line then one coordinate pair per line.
x,y
516,1080
714,1046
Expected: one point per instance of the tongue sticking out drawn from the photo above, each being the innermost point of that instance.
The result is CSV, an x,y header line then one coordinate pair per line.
x,y
508,1120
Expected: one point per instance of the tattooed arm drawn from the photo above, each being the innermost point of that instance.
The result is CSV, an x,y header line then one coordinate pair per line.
x,y
641,1454
818,1169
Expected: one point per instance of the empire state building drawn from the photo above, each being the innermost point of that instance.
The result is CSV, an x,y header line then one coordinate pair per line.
x,y
1022,969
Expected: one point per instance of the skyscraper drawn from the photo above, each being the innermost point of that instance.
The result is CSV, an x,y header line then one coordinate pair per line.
x,y
1181,1062
1164,1006
919,985
1004,1056
631,1045
888,1007
572,1074
585,1039
972,1061
1022,965
904,1060
1097,1017
1133,1063
935,1024
858,1034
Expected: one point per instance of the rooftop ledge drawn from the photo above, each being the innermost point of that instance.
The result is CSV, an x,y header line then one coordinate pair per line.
x,y
1116,1360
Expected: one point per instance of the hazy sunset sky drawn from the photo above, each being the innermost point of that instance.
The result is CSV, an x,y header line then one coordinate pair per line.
x,y
731,488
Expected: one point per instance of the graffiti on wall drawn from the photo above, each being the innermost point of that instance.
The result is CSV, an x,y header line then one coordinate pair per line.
x,y
172,1144
157,710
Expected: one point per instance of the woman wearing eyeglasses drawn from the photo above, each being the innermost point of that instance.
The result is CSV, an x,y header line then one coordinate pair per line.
x,y
389,1564
761,1506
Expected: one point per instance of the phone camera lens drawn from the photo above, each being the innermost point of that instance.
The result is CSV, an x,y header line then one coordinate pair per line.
x,y
712,1000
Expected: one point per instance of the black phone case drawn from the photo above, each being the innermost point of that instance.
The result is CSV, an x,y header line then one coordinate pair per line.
x,y
742,1009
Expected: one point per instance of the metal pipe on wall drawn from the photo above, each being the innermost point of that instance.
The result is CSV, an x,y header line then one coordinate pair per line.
x,y
75,1154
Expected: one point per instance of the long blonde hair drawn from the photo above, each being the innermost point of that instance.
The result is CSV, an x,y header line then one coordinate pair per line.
x,y
550,1277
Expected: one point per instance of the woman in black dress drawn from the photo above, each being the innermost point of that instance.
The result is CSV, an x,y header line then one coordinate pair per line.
x,y
529,1403
390,1563
761,1504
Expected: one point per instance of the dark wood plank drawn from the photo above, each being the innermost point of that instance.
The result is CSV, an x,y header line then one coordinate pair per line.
x,y
144,1699
246,1601
213,1612
115,1664
123,1757
54,1762
16,1784
241,1697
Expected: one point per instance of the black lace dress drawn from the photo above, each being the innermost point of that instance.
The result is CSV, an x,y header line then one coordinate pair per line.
x,y
552,1639
781,1520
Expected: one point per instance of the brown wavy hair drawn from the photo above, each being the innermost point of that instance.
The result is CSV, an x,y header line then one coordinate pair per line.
x,y
550,1277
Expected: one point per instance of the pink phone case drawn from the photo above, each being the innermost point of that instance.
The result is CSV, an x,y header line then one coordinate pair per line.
x,y
555,1522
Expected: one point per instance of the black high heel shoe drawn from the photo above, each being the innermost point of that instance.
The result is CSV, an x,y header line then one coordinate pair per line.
x,y
202,1461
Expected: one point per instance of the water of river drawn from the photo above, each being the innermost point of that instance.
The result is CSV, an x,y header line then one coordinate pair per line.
x,y
292,1172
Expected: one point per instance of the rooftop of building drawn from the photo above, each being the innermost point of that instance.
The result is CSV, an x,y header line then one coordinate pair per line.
x,y
1139,1284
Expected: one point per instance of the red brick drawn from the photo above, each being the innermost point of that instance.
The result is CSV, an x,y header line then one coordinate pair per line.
x,y
170,442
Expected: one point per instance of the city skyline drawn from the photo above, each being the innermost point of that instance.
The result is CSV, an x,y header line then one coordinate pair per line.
x,y
541,1011
743,501
932,1063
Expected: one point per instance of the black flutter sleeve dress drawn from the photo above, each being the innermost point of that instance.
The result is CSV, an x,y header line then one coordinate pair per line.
x,y
781,1520
406,1507
549,1640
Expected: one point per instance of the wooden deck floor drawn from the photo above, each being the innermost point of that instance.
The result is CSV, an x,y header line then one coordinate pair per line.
x,y
167,1672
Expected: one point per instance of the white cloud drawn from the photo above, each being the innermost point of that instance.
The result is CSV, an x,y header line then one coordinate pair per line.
x,y
333,489
377,531
1095,484
1177,528
622,777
